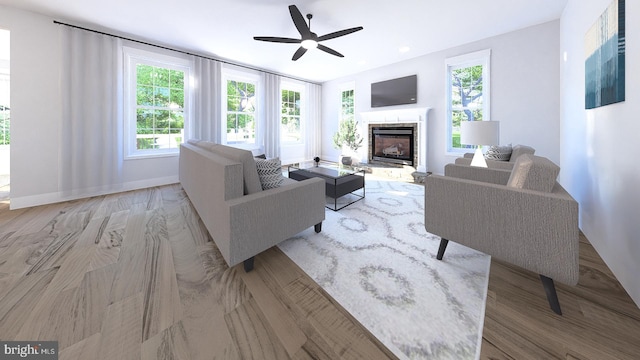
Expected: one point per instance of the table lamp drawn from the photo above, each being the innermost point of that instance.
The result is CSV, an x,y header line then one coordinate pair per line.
x,y
479,133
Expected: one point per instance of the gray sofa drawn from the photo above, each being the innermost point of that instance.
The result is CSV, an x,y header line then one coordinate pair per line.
x,y
516,151
223,185
522,216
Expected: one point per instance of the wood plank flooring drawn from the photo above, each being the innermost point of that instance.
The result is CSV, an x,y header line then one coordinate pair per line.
x,y
136,276
599,321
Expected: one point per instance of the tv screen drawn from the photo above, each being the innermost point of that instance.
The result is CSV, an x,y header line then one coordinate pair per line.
x,y
398,91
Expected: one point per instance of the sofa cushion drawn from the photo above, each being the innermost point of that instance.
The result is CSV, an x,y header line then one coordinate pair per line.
x,y
245,157
269,172
521,150
499,153
534,173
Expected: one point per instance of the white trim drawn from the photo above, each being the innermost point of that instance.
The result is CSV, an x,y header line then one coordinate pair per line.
x,y
55,197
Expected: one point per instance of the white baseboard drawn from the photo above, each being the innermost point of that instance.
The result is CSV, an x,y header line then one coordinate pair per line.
x,y
60,196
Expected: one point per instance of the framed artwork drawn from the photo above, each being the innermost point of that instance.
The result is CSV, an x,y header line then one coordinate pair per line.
x,y
605,53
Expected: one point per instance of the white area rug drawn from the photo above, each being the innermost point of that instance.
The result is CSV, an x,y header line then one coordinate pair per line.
x,y
376,259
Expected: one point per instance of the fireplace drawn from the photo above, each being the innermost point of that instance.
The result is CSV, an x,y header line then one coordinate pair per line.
x,y
393,144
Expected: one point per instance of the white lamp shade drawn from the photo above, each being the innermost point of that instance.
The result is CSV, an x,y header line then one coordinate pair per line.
x,y
480,132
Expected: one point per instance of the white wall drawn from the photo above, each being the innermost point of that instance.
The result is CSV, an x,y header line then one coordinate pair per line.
x,y
36,116
524,92
599,159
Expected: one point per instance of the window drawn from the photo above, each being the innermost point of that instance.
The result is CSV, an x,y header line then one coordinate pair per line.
x,y
467,94
5,136
291,121
241,111
5,115
156,102
347,108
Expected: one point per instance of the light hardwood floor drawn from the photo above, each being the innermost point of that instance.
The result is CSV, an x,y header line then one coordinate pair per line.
x,y
135,276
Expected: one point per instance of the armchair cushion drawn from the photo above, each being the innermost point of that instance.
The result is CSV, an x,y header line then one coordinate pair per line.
x,y
521,150
533,173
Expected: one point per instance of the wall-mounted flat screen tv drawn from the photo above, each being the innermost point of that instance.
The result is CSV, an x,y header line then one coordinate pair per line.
x,y
398,91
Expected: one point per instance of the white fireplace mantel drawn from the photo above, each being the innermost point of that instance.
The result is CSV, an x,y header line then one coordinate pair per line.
x,y
417,115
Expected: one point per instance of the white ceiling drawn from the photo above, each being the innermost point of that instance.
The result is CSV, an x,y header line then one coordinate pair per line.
x,y
224,29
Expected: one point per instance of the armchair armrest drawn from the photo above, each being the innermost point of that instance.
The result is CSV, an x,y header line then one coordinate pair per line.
x,y
264,219
487,175
535,230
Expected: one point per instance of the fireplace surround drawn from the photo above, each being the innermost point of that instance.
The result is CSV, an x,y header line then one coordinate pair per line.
x,y
393,144
416,117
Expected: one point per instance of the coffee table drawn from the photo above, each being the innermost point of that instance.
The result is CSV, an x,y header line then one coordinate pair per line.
x,y
339,181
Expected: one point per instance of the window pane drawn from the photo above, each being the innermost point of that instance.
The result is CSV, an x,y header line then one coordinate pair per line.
x,y
177,98
144,95
161,77
144,74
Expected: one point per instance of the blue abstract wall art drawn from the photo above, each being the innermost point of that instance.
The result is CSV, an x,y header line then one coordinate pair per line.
x,y
605,53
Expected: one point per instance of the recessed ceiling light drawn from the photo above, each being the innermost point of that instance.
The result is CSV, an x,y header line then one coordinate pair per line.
x,y
362,62
404,49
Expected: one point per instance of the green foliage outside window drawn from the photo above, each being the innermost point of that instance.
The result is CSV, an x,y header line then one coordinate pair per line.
x,y
241,107
347,105
5,123
160,107
290,120
466,99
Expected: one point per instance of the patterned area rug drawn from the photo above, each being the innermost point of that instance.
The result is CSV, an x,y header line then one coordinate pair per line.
x,y
376,259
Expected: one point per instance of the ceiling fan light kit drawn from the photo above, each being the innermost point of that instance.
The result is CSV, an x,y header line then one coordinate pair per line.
x,y
308,39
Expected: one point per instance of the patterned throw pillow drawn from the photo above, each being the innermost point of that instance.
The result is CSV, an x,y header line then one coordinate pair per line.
x,y
499,153
270,172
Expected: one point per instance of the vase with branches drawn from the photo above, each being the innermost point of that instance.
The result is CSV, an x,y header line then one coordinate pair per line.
x,y
347,139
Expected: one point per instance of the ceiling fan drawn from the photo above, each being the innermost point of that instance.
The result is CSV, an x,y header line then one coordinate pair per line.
x,y
308,40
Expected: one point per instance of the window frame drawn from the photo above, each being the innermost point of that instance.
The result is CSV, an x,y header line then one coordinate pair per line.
x,y
299,88
350,86
245,77
482,57
133,57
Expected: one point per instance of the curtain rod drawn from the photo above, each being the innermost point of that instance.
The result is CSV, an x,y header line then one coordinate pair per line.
x,y
183,52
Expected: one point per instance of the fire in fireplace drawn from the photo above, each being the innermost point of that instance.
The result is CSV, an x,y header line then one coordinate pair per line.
x,y
392,144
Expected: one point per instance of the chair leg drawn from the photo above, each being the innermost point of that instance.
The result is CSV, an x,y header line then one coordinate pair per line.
x,y
552,296
442,248
318,227
248,264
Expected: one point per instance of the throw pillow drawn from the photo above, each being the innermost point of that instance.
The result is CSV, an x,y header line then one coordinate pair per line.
x,y
534,173
499,153
269,172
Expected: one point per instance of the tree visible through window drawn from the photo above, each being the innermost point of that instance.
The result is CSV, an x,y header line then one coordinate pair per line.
x,y
241,108
159,107
290,128
347,108
467,94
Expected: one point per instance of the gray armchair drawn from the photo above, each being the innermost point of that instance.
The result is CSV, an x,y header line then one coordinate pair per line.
x,y
523,217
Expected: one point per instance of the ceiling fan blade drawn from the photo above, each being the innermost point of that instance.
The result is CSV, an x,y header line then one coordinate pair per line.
x,y
299,22
277,39
329,50
339,33
299,53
